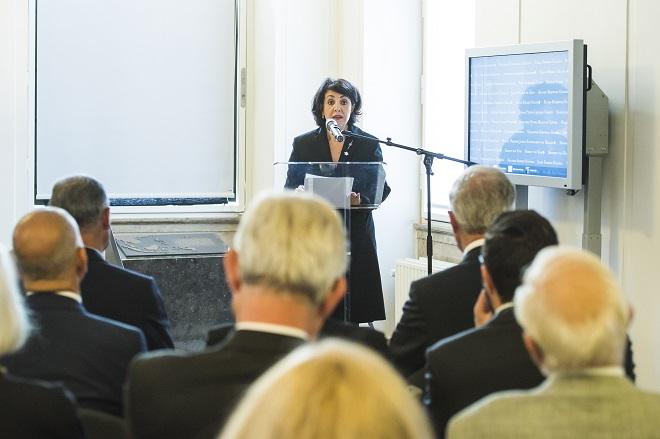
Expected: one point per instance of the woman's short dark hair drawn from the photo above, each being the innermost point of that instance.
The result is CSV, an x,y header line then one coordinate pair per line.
x,y
343,87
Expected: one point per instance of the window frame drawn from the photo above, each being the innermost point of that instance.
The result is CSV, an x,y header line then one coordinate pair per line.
x,y
176,208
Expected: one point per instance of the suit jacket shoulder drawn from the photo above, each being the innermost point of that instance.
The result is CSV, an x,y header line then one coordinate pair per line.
x,y
472,364
88,353
563,408
439,305
37,410
126,296
311,146
206,384
218,333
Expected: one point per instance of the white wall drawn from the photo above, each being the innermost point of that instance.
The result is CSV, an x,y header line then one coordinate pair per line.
x,y
621,37
640,208
392,63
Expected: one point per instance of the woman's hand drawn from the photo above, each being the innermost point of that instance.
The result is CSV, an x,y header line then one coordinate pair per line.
x,y
355,199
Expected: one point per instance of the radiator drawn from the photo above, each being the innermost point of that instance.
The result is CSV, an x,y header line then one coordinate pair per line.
x,y
406,271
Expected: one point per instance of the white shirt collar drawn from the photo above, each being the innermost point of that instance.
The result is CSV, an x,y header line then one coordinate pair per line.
x,y
503,306
474,244
69,294
605,371
272,328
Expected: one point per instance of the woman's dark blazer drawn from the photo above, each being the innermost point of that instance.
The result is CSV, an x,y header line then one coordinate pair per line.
x,y
36,409
366,291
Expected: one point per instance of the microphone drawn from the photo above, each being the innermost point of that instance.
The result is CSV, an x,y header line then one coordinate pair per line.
x,y
331,125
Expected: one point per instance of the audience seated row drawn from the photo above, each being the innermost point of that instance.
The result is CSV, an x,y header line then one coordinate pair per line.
x,y
460,342
441,305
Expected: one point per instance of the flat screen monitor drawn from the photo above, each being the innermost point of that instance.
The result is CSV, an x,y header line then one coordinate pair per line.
x,y
525,111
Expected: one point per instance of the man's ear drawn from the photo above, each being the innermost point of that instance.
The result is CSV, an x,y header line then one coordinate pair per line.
x,y
454,224
81,262
534,350
230,262
105,218
333,298
486,279
456,229
631,315
489,286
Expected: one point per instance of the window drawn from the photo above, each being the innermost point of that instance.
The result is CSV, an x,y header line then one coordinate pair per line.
x,y
449,28
145,96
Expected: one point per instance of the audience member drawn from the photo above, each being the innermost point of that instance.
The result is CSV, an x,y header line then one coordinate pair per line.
x,y
441,305
330,390
574,320
107,290
87,353
30,409
472,364
286,272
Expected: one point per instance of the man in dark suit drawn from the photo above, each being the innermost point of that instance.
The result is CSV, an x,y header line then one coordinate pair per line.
x,y
472,364
31,409
286,272
441,305
87,353
107,290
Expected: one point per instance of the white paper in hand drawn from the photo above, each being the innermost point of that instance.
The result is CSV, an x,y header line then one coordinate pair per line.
x,y
336,190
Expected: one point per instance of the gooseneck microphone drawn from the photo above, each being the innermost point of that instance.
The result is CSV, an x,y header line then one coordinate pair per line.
x,y
333,128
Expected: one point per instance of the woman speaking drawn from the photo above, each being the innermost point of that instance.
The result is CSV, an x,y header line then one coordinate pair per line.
x,y
339,101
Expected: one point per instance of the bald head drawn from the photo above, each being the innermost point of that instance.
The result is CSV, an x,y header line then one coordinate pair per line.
x,y
570,305
47,245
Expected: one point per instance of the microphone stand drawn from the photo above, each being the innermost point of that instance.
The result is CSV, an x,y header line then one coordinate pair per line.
x,y
428,163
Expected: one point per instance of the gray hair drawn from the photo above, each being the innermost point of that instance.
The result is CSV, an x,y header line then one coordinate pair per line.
x,y
570,305
45,243
83,197
292,242
14,322
479,196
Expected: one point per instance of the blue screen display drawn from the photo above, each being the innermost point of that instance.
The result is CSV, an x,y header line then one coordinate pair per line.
x,y
518,112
